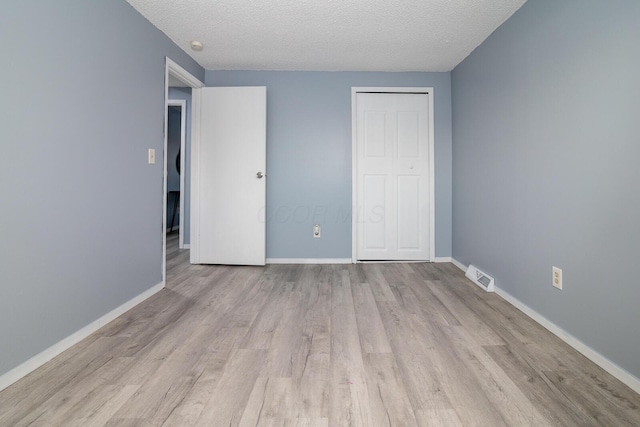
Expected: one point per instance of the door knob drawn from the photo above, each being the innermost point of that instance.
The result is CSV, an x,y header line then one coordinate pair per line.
x,y
259,175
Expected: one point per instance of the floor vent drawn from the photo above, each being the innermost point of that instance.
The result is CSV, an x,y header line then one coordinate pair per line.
x,y
479,278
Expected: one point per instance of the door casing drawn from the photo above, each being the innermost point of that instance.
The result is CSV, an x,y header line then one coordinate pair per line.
x,y
428,91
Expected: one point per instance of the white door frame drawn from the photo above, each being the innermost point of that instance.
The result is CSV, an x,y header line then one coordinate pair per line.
x,y
183,137
354,163
175,70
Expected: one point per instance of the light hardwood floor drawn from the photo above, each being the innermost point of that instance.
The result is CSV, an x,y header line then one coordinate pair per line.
x,y
319,345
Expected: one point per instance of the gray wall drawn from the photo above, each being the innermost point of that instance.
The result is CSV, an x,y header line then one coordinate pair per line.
x,y
546,142
185,93
309,155
83,85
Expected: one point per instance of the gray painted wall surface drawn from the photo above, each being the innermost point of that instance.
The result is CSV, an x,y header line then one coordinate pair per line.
x,y
185,93
309,155
83,84
546,141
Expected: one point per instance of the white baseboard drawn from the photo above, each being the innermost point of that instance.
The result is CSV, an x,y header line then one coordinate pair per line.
x,y
393,261
40,359
458,264
308,260
629,379
442,259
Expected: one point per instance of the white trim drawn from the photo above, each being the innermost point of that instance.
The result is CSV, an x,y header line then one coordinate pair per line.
x,y
183,138
392,261
182,74
431,146
40,359
629,379
442,259
458,264
308,260
187,246
194,227
432,176
354,178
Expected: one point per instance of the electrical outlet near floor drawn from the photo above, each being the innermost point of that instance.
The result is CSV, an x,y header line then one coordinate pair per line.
x,y
557,277
316,231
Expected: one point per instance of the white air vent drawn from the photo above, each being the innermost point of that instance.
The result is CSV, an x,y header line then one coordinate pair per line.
x,y
479,278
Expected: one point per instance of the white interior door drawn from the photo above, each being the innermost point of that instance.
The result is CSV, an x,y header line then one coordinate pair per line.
x,y
228,176
392,177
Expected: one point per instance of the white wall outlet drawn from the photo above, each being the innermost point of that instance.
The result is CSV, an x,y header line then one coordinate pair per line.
x,y
152,156
316,231
557,277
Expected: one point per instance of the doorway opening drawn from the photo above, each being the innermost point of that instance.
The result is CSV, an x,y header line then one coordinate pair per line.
x,y
176,170
175,76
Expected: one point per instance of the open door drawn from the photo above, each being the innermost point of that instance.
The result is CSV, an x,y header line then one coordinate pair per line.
x,y
228,176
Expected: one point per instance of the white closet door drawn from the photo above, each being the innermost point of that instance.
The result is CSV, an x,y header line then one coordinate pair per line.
x,y
392,176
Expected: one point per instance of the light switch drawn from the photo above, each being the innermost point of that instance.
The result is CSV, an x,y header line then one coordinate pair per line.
x,y
152,156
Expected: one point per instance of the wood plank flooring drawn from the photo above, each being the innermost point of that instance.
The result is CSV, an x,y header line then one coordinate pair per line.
x,y
318,346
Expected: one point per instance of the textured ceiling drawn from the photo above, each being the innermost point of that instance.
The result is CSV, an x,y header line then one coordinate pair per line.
x,y
329,35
